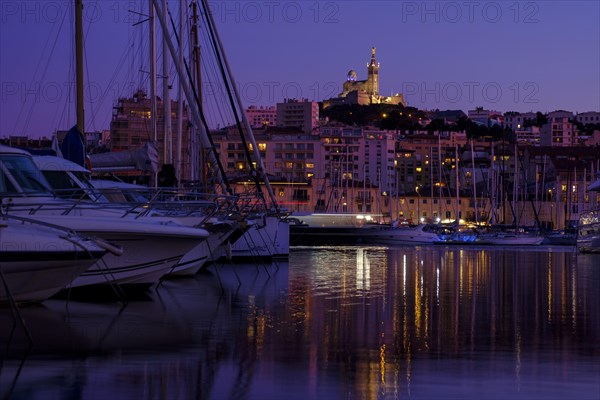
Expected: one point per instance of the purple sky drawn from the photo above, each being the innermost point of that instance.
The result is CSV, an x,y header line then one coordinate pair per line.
x,y
502,55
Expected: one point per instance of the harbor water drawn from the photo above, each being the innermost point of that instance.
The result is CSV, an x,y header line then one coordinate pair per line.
x,y
357,322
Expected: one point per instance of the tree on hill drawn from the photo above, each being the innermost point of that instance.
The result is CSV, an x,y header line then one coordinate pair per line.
x,y
383,116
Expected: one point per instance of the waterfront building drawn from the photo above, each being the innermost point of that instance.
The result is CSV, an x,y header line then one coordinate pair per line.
x,y
557,180
291,159
130,128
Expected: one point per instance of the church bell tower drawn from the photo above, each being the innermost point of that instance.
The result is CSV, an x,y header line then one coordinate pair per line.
x,y
373,75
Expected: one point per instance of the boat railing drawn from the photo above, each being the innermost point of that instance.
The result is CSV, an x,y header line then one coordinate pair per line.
x,y
64,204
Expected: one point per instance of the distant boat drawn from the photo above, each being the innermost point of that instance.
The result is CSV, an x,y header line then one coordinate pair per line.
x,y
330,229
567,237
588,230
506,236
419,234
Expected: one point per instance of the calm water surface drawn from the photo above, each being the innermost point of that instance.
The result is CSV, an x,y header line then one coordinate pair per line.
x,y
332,323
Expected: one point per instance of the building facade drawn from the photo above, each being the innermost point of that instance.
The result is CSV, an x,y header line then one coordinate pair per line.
x,y
131,128
302,114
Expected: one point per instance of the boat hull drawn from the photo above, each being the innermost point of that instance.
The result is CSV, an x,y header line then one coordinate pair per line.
x,y
588,239
37,262
149,250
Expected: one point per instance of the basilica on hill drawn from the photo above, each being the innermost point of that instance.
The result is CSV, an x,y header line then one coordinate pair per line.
x,y
364,92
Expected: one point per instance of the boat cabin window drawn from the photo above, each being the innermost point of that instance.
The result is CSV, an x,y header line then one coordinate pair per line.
x,y
25,174
64,185
5,185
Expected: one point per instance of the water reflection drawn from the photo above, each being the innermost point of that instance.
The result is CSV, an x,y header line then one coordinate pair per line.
x,y
340,322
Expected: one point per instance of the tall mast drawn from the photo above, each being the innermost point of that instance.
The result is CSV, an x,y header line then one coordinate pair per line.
x,y
494,186
180,95
198,161
246,124
474,181
168,138
152,73
206,143
457,185
79,64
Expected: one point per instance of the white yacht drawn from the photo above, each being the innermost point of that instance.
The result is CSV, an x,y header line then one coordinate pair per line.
x,y
38,260
588,229
404,234
70,180
151,246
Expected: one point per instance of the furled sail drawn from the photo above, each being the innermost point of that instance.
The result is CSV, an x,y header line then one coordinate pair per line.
x,y
144,159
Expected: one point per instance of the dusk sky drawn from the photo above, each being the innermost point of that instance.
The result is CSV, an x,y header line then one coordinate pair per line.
x,y
503,55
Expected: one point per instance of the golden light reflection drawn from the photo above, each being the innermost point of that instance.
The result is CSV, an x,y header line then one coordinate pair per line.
x,y
549,291
386,305
382,364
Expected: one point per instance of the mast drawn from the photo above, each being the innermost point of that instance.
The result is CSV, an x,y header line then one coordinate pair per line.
x,y
79,65
178,162
152,32
494,187
431,185
198,120
474,182
197,154
168,138
457,185
246,124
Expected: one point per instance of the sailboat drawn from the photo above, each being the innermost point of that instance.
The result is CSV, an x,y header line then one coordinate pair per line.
x,y
151,246
268,233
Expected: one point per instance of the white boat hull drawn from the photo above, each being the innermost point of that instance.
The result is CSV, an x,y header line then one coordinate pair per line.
x,y
588,239
515,240
401,235
37,262
265,239
150,251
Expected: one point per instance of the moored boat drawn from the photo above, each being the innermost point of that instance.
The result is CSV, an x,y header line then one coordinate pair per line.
x,y
151,246
588,229
36,261
404,234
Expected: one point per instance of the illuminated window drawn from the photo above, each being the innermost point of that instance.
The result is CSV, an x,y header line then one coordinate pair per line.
x,y
262,146
310,165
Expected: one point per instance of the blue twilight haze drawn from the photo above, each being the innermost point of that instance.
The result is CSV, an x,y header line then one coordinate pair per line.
x,y
502,55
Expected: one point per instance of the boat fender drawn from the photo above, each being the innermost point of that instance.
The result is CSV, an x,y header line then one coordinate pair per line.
x,y
112,248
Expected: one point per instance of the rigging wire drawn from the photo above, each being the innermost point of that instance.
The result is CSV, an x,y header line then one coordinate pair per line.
x,y
45,71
